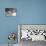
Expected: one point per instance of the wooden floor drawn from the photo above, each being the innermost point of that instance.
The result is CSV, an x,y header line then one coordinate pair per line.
x,y
30,43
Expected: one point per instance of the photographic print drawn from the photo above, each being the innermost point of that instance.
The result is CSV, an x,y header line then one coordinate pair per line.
x,y
10,11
